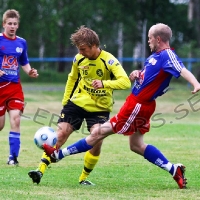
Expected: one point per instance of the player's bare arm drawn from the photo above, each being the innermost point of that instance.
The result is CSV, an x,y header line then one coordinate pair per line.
x,y
187,75
30,71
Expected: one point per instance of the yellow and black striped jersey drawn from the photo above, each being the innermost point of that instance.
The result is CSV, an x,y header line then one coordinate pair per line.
x,y
79,84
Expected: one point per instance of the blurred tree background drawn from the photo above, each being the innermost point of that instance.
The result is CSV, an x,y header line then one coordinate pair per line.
x,y
121,25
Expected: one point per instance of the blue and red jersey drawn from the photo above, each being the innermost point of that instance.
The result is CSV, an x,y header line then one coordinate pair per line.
x,y
155,77
13,53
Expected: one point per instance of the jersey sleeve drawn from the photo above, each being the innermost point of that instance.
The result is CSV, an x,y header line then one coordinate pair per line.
x,y
72,81
23,60
173,64
121,80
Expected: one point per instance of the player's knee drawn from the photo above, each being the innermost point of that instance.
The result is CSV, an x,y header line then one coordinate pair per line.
x,y
132,148
15,122
62,134
137,149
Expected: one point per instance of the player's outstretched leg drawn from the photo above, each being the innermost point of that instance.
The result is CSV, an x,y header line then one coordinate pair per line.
x,y
58,154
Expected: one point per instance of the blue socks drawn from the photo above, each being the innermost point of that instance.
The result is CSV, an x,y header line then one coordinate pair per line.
x,y
153,155
14,142
77,147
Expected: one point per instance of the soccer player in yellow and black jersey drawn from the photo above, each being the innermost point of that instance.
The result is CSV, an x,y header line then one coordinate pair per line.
x,y
88,96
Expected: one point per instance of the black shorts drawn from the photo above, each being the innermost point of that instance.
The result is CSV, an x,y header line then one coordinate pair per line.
x,y
75,115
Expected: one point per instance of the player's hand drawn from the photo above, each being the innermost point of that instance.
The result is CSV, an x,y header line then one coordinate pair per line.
x,y
196,89
134,75
2,73
33,73
97,84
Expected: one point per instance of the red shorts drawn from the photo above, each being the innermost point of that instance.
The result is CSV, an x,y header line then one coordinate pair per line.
x,y
11,97
133,116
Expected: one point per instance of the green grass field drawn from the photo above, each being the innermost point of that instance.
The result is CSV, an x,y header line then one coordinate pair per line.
x,y
120,174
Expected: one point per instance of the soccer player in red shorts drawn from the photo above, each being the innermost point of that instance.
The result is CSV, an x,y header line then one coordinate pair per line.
x,y
134,116
13,53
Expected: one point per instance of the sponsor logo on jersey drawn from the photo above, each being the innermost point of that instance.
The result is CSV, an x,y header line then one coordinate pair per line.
x,y
153,61
111,61
19,50
91,64
99,72
9,62
84,67
94,92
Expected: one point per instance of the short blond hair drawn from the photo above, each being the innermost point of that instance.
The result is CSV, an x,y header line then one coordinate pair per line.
x,y
162,30
11,13
85,36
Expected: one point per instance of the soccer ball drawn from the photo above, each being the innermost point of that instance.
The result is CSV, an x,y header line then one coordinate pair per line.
x,y
45,135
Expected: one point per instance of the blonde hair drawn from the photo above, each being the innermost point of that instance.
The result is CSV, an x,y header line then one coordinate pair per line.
x,y
162,30
85,36
11,13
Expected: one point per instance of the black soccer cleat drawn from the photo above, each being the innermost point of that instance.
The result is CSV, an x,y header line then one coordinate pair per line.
x,y
35,176
86,182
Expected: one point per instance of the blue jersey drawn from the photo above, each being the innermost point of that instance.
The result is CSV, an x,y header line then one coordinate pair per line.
x,y
155,77
13,53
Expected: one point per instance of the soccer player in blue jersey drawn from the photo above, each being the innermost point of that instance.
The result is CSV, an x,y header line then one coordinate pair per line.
x,y
13,53
134,116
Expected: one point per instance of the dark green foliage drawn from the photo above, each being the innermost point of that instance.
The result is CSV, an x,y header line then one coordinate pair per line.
x,y
47,25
